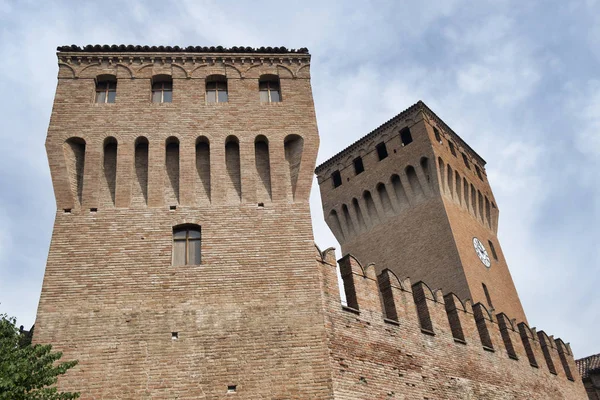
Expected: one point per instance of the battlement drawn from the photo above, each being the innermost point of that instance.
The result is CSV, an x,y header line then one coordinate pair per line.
x,y
402,320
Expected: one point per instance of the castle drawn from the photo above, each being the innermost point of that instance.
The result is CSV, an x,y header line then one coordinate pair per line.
x,y
182,263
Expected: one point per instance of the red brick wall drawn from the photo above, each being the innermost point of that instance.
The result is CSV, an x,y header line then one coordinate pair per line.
x,y
250,314
376,358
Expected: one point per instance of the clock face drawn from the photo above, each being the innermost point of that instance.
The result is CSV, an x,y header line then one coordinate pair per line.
x,y
481,252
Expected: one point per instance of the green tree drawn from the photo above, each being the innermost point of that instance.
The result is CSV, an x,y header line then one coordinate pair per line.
x,y
28,371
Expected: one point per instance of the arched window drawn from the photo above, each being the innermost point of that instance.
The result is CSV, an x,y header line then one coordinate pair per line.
x,y
405,136
216,89
106,89
186,245
162,89
268,86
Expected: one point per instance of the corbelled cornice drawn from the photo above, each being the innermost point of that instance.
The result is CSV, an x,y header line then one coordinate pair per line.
x,y
420,106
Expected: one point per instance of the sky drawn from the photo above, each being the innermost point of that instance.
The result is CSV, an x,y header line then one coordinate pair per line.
x,y
516,80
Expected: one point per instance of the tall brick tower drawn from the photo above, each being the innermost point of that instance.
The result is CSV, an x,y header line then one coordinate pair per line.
x,y
413,197
182,262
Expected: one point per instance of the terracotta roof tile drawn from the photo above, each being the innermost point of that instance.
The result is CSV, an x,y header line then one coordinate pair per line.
x,y
97,48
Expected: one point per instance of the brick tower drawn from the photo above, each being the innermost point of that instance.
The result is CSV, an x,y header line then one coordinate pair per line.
x,y
182,262
413,197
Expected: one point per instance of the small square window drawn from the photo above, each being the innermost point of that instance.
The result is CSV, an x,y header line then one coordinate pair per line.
x,y
478,172
381,151
337,178
466,160
452,149
358,165
231,389
174,335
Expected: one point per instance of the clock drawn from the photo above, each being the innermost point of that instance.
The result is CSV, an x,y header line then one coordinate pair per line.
x,y
481,252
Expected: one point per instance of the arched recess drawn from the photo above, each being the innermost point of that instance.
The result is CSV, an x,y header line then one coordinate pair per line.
x,y
480,200
449,183
415,185
202,186
172,167
336,227
263,168
74,152
371,209
349,224
442,168
359,216
232,161
109,167
473,200
385,199
466,192
458,188
140,188
487,212
425,167
400,192
294,145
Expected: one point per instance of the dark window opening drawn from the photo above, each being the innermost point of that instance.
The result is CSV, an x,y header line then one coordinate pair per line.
x,y
337,178
452,149
493,250
67,211
405,136
478,172
358,165
465,160
93,209
438,137
186,245
487,295
231,389
174,335
172,207
381,151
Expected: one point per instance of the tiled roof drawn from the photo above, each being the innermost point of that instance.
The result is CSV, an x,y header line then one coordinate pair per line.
x,y
417,106
588,365
121,48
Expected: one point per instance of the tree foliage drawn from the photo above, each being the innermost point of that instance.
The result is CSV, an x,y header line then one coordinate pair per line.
x,y
27,372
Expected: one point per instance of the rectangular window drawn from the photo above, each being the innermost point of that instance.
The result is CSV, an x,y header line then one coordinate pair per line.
x,y
478,172
382,151
466,161
337,179
358,165
452,150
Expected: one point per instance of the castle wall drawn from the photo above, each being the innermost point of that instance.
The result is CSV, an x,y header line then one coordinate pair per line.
x,y
248,317
406,345
414,239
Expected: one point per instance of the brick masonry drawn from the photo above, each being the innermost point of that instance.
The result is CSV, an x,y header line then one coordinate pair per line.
x,y
427,231
259,318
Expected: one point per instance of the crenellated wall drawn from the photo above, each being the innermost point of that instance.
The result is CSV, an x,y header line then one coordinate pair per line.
x,y
418,206
397,339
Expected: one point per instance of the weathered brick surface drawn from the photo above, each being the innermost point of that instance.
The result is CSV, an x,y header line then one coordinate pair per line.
x,y
427,232
259,312
376,358
250,314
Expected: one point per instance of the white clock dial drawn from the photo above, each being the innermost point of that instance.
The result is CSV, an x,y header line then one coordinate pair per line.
x,y
481,252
